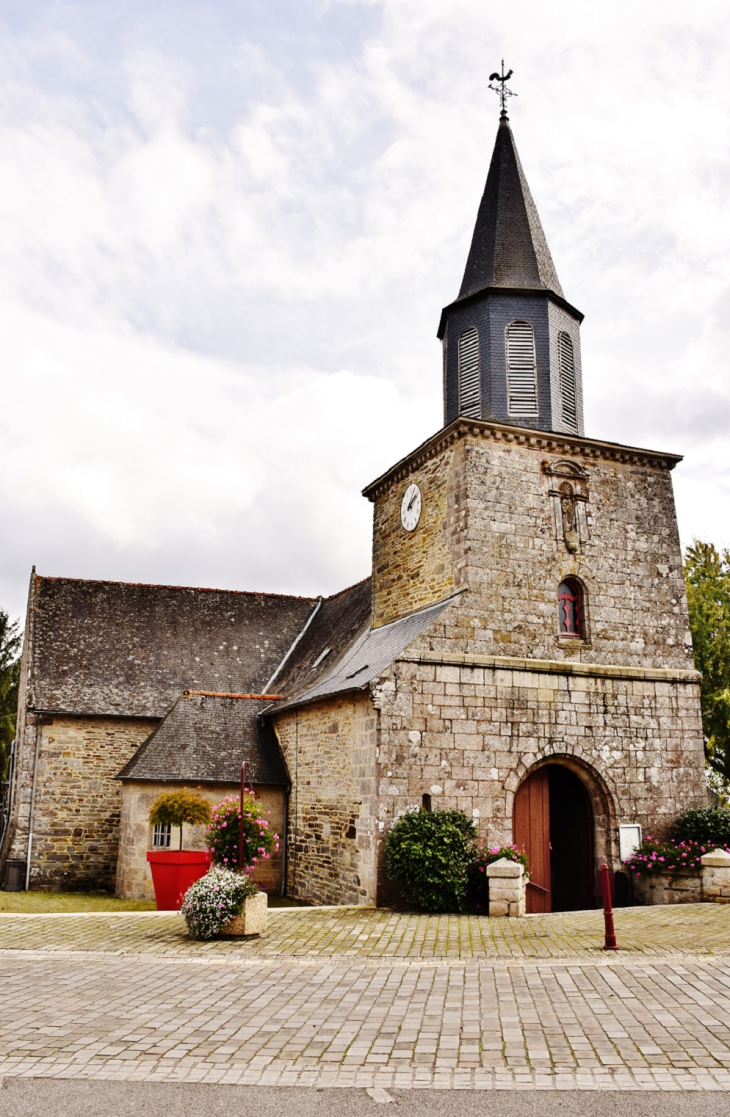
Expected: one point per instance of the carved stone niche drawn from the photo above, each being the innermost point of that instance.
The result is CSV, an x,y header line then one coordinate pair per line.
x,y
568,489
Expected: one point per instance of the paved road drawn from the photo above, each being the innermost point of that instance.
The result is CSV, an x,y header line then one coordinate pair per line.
x,y
37,1098
369,1000
598,1025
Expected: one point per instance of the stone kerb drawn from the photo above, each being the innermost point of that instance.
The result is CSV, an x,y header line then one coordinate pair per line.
x,y
507,887
716,876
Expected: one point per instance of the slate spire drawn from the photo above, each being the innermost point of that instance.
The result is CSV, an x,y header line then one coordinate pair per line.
x,y
511,340
508,248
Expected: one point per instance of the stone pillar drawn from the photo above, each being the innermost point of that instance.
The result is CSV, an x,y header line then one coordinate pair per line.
x,y
716,876
507,887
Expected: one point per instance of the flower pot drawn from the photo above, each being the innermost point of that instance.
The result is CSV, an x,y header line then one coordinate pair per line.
x,y
173,871
252,920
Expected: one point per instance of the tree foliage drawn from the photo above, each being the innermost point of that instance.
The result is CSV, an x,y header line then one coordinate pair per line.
x,y
707,575
173,808
429,854
10,644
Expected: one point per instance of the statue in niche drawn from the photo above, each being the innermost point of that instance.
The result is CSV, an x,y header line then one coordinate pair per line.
x,y
570,520
568,489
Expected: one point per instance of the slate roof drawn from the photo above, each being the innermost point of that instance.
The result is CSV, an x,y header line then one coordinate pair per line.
x,y
373,650
110,648
508,248
205,738
336,624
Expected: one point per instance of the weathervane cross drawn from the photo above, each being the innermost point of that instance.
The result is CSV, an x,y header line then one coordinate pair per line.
x,y
502,90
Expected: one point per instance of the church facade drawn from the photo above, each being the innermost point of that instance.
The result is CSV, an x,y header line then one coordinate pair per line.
x,y
521,650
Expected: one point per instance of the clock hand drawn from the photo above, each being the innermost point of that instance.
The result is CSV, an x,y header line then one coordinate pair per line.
x,y
411,502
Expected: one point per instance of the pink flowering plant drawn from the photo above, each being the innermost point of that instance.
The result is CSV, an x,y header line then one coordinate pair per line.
x,y
478,889
259,839
672,857
214,900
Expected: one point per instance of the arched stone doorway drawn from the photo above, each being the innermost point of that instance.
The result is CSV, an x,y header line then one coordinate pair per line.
x,y
553,821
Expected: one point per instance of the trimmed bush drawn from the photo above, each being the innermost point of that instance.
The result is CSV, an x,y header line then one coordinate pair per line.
x,y
710,826
259,840
173,808
215,900
428,853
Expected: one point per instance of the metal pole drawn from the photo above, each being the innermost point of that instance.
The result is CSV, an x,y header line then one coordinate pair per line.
x,y
244,774
610,941
240,827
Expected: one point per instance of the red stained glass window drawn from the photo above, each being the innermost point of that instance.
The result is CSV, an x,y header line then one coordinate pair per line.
x,y
570,608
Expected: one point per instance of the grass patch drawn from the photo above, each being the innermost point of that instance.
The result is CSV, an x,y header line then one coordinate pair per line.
x,y
286,902
27,903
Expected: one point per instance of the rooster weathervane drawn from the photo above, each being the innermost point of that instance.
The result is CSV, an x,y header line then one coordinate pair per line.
x,y
502,90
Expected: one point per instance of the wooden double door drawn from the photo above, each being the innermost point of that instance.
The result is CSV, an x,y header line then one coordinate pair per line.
x,y
553,823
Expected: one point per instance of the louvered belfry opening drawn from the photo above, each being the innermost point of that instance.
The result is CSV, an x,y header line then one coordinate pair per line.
x,y
566,363
470,396
521,370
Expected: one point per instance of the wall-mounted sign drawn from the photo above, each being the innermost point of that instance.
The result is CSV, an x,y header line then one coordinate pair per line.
x,y
629,838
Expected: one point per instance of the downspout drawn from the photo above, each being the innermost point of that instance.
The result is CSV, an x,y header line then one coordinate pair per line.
x,y
284,841
8,804
38,732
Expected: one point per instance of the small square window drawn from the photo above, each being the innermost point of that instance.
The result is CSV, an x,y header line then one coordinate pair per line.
x,y
161,835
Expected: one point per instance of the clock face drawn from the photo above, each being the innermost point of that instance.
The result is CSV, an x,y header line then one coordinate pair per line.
x,y
410,509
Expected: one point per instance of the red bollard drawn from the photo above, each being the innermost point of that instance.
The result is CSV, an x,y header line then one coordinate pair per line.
x,y
610,943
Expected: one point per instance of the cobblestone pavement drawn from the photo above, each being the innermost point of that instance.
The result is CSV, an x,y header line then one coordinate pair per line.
x,y
430,1003
370,933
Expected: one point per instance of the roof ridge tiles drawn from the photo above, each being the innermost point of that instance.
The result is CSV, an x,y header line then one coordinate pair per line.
x,y
347,589
164,586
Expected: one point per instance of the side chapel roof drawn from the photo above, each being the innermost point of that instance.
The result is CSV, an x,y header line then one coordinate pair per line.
x,y
115,648
205,738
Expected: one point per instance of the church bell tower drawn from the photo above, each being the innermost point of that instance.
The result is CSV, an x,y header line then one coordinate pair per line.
x,y
511,340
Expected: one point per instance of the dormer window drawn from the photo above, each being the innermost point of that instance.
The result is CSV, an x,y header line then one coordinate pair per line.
x,y
470,395
521,370
566,366
570,608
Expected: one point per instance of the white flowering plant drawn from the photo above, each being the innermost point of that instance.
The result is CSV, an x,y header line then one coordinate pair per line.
x,y
214,900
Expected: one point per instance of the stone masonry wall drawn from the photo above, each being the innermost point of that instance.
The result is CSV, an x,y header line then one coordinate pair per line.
x,y
77,806
134,880
467,736
330,748
486,500
413,569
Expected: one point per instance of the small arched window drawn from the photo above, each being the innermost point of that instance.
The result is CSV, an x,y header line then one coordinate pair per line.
x,y
470,395
566,365
570,608
521,370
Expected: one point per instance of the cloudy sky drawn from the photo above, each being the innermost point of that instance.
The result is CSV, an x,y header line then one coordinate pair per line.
x,y
227,230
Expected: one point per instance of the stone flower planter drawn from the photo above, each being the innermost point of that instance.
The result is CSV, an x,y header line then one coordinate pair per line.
x,y
684,887
253,919
173,871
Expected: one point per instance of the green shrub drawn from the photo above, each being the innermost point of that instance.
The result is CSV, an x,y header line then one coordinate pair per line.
x,y
215,900
706,825
259,840
173,808
428,853
477,892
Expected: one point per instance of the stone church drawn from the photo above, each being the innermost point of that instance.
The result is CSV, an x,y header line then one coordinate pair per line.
x,y
521,650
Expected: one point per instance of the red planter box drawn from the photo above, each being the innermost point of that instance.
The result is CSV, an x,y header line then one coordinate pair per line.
x,y
173,871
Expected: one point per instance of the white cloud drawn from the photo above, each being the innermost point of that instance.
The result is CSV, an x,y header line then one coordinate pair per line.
x,y
214,335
